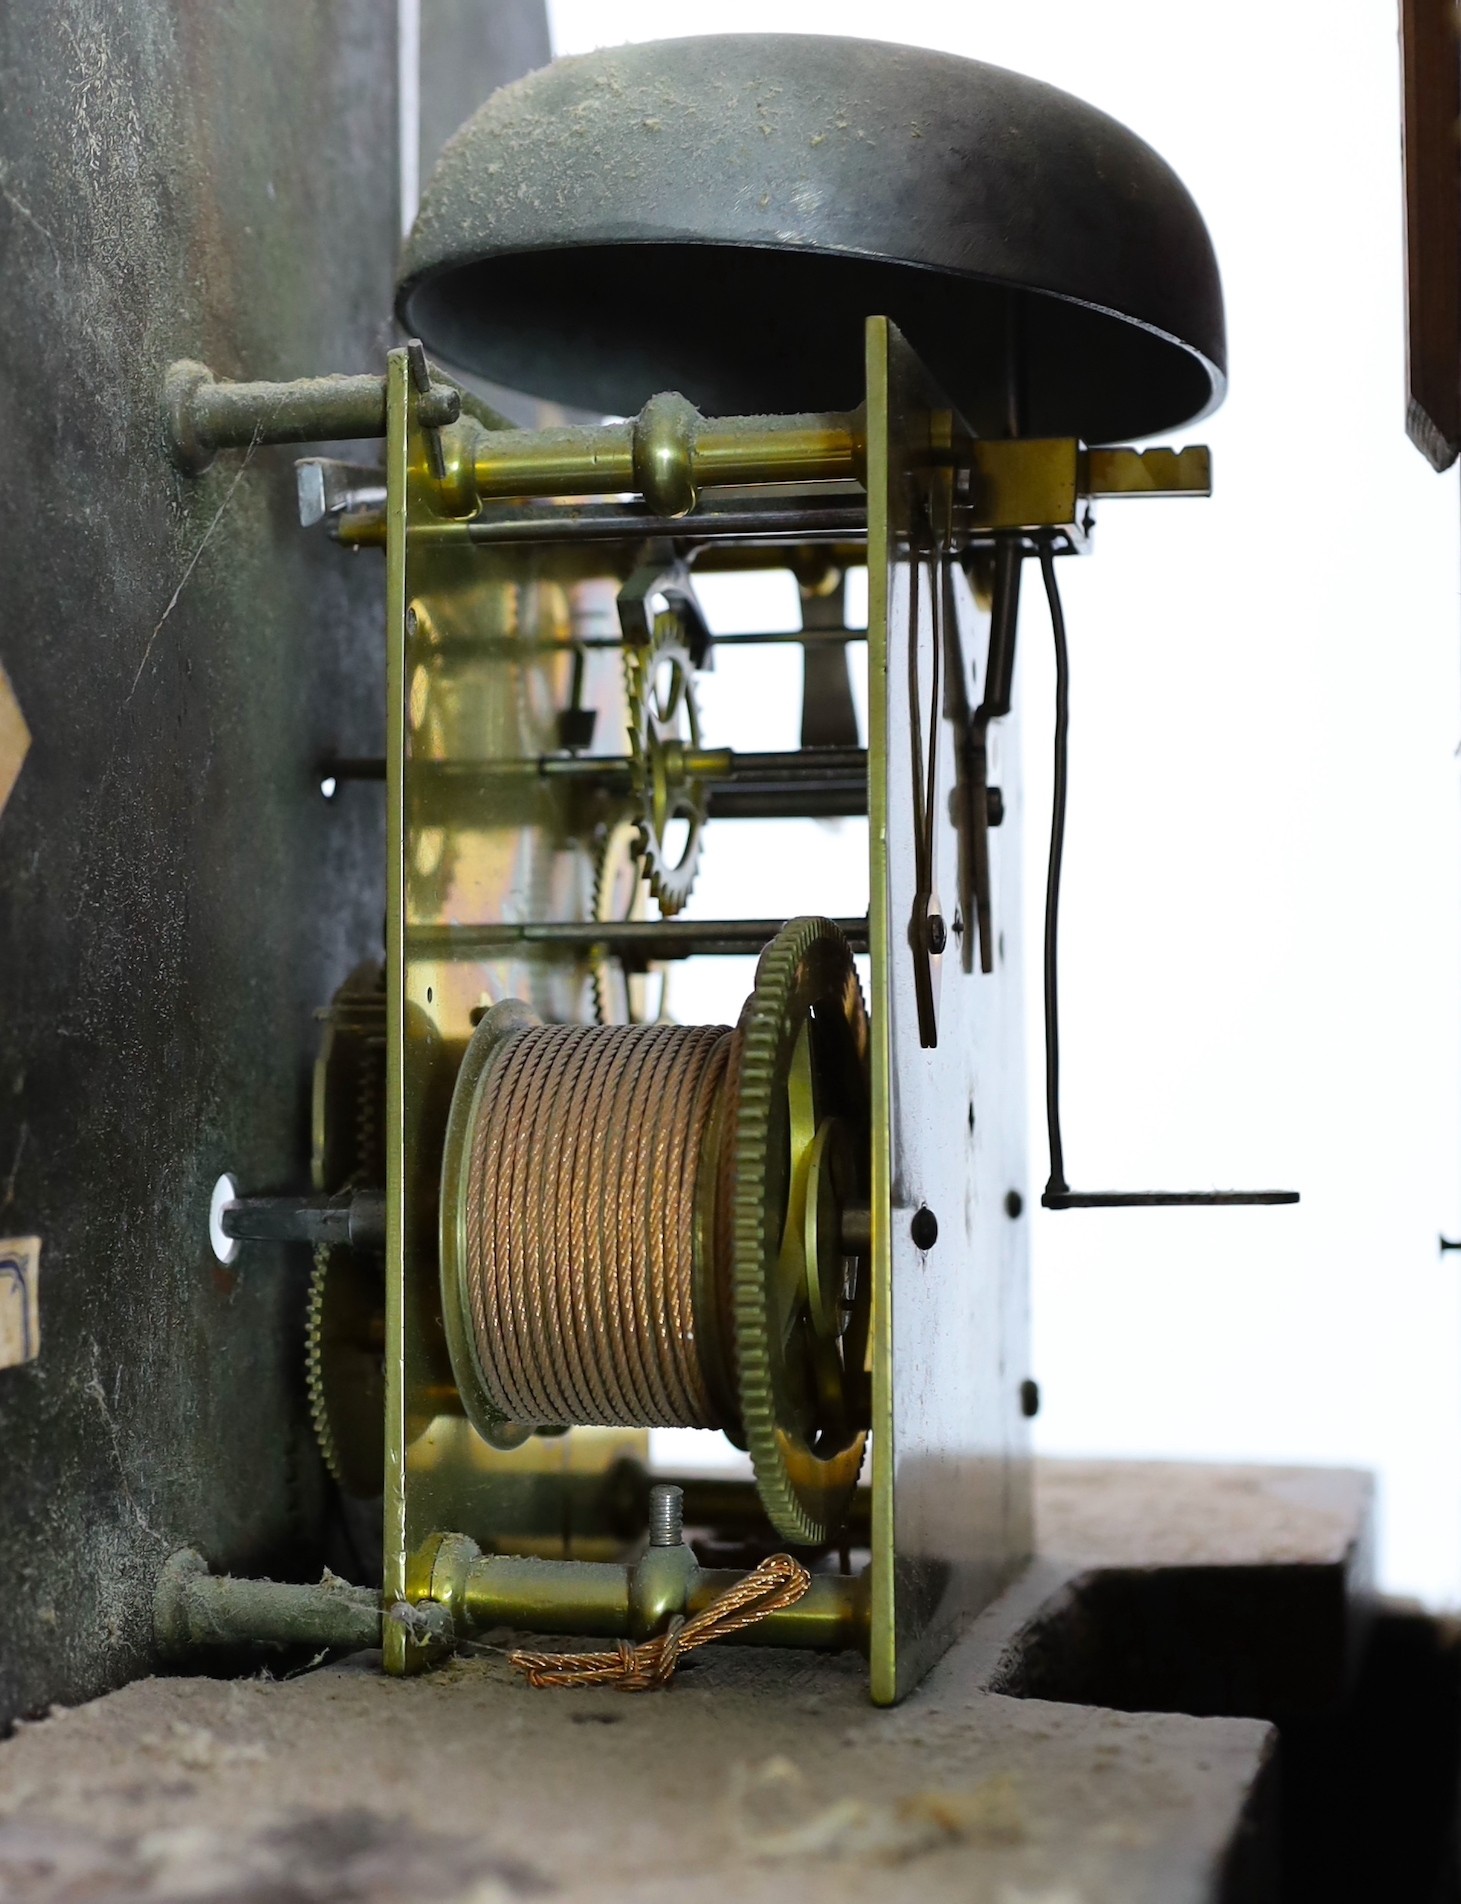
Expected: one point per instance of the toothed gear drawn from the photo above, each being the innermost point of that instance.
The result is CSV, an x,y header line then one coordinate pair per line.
x,y
664,723
622,996
345,1364
345,1319
802,1073
349,1104
616,854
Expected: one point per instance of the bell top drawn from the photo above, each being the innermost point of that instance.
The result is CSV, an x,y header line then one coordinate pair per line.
x,y
719,215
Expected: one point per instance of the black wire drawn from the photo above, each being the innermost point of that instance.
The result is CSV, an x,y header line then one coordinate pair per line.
x,y
1056,1185
1058,1193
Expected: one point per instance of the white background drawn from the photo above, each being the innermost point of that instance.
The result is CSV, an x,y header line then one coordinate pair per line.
x,y
1260,923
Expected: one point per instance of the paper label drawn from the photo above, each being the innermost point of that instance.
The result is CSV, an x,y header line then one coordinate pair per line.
x,y
20,1310
14,738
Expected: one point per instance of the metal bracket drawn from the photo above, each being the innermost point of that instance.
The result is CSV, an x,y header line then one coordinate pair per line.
x,y
327,487
664,574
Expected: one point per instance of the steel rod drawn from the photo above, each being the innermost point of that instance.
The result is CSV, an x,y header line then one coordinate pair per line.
x,y
734,1507
1161,1199
812,783
839,797
556,522
520,646
650,939
357,1217
719,766
833,801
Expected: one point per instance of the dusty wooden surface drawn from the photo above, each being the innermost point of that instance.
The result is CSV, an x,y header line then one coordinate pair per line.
x,y
759,1775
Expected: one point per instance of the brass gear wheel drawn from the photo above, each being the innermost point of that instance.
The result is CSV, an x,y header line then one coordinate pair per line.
x,y
345,1365
801,1302
621,995
345,1320
664,724
349,1096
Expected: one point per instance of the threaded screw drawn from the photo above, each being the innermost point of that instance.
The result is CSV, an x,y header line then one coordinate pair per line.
x,y
666,1514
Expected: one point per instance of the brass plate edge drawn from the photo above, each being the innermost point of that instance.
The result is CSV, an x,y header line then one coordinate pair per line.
x,y
394,1583
882,1658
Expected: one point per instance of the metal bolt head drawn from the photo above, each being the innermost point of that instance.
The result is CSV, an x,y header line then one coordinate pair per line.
x,y
1014,1204
924,1228
938,935
994,805
666,1514
183,398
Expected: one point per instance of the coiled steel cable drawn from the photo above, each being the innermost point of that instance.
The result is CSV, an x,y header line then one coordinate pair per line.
x,y
581,1223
